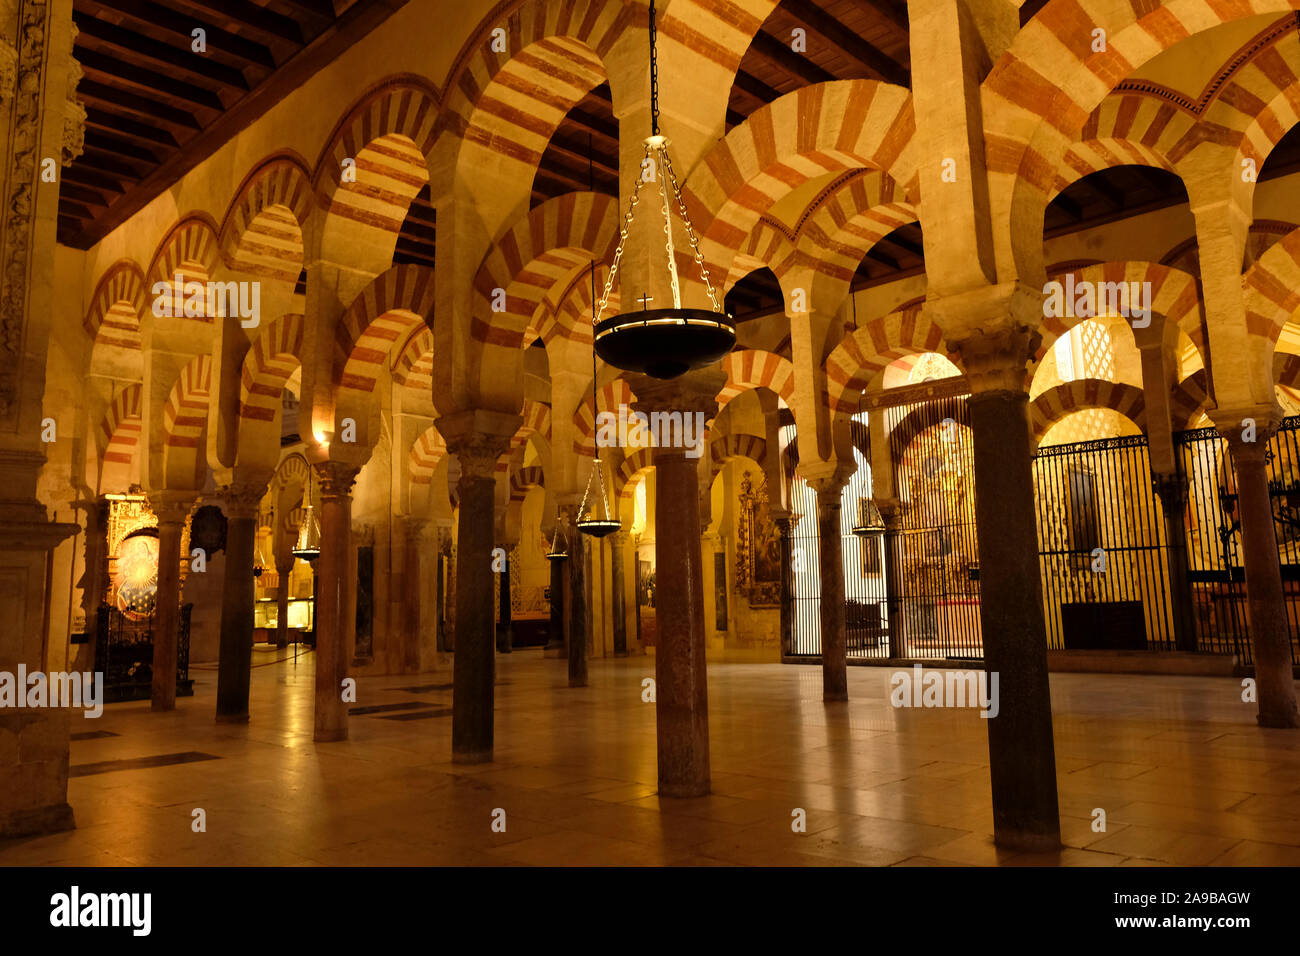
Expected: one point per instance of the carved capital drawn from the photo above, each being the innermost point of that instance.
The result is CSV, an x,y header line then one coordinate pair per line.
x,y
172,507
335,478
997,360
891,512
478,454
241,499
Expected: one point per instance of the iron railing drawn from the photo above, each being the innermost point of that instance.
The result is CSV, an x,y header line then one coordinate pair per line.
x,y
124,654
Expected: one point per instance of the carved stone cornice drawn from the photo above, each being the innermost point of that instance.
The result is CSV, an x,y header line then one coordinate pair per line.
x,y
335,478
74,114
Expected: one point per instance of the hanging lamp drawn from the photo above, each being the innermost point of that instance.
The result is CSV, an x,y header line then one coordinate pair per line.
x,y
598,522
307,546
559,549
663,342
870,523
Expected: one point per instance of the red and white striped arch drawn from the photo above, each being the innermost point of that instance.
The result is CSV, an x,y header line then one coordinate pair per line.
x,y
863,355
379,318
269,363
614,394
413,364
840,125
1065,399
754,368
1272,288
189,250
426,452
119,432
537,260
261,233
116,306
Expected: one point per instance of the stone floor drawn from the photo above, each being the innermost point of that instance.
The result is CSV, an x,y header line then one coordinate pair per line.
x,y
1177,763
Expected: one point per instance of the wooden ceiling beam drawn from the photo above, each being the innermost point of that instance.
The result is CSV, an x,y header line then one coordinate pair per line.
x,y
752,86
777,53
154,15
106,142
838,35
894,13
144,51
115,70
252,18
81,194
76,173
96,92
129,129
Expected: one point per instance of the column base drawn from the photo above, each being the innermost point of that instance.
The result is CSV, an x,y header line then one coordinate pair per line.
x,y
1283,721
554,652
1026,841
684,790
330,736
158,707
36,821
232,718
573,682
478,756
835,696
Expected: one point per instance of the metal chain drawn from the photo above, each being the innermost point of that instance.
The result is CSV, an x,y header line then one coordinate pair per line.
x,y
668,234
654,74
618,252
690,231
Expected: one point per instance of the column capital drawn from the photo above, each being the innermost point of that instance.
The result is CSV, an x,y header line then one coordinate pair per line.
x,y
827,479
172,507
336,478
891,512
478,454
996,360
1247,429
695,391
241,498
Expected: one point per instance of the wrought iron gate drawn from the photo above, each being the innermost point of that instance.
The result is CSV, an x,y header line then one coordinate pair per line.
x,y
124,654
1215,569
1104,547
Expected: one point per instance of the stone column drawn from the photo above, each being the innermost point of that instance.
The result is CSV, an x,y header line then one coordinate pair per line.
x,y
1022,757
575,598
681,686
891,511
505,633
1265,601
238,593
785,525
555,638
830,547
171,509
1172,490
418,647
333,582
477,439
282,570
619,546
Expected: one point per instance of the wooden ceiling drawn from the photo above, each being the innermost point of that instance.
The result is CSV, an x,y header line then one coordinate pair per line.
x,y
155,107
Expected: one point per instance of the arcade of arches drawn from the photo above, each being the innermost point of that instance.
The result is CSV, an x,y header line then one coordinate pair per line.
x,y
413,229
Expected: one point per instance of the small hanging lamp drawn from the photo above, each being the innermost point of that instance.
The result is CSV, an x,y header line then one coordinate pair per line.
x,y
307,546
559,549
598,522
870,523
664,342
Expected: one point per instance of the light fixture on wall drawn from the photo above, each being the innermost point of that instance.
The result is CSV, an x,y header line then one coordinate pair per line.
x,y
307,547
870,523
663,342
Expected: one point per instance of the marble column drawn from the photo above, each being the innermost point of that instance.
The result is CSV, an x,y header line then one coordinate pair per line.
x,y
419,649
1022,756
891,512
555,636
238,593
575,598
830,548
785,525
681,684
477,445
619,603
505,633
1172,490
1265,600
171,509
283,568
333,583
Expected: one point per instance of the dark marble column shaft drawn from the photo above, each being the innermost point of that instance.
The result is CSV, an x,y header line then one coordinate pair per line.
x,y
238,593
1265,600
555,636
505,631
575,601
618,545
171,511
830,552
332,583
785,528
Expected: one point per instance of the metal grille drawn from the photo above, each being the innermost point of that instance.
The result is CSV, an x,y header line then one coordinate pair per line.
x,y
1215,568
937,554
124,654
1103,547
